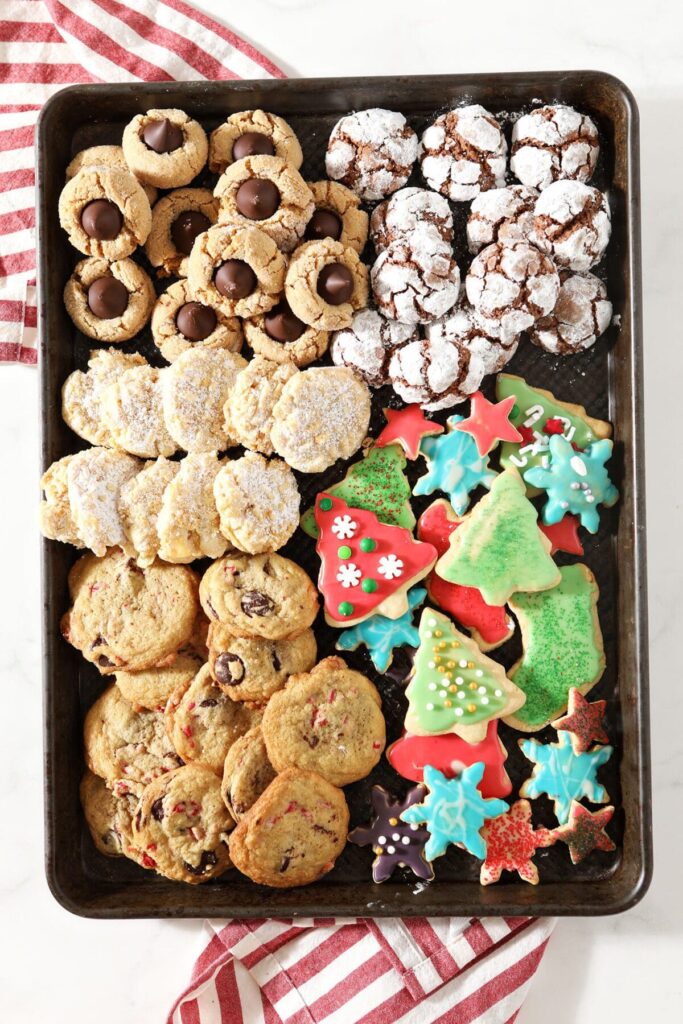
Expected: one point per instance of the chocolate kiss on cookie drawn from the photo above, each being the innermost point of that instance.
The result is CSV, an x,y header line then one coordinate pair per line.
x,y
195,321
335,284
108,298
162,136
235,279
281,324
185,229
323,224
252,144
257,199
101,219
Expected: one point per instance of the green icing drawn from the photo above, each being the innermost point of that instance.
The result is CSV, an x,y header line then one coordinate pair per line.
x,y
562,644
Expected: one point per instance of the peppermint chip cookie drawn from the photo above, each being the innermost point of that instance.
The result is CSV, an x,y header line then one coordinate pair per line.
x,y
337,215
108,817
258,503
105,156
249,409
177,219
56,521
325,283
412,211
139,507
581,314
188,523
553,142
329,721
253,133
152,688
294,832
366,347
180,323
126,617
413,282
269,191
572,224
372,152
132,409
195,389
182,825
94,481
165,148
501,215
109,302
83,393
322,415
247,772
463,153
283,338
105,212
251,668
237,270
259,596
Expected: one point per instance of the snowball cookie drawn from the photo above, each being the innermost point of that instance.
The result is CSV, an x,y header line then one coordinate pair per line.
x,y
510,287
553,142
180,323
258,503
581,314
195,389
177,219
269,193
372,152
337,215
572,223
284,338
322,415
107,156
437,373
413,282
369,343
188,523
501,215
253,133
237,270
325,284
463,153
165,148
249,409
105,212
110,302
411,211
83,393
133,411
481,354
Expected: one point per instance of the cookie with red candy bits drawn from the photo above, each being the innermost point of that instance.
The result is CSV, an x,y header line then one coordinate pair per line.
x,y
583,722
511,842
488,422
407,427
585,831
394,842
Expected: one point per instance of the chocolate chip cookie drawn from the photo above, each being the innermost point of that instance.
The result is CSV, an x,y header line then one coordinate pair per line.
x,y
152,689
246,774
253,669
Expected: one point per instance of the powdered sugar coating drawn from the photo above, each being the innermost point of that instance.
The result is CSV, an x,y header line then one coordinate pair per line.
x,y
481,353
435,372
139,507
554,142
369,343
572,223
372,152
581,314
94,481
195,389
82,393
188,523
414,283
56,521
249,409
501,215
464,153
258,503
412,211
510,287
133,411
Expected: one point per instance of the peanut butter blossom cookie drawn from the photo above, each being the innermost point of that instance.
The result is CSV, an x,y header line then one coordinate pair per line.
x,y
238,270
372,152
165,148
105,212
177,220
325,284
337,215
179,322
253,133
107,156
109,302
394,842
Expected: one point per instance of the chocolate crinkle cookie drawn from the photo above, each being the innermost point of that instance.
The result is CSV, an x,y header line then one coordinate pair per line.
x,y
554,142
414,283
367,346
572,224
372,152
481,353
501,215
581,314
463,153
412,211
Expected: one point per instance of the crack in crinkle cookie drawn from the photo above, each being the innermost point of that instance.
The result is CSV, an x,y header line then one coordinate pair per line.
x,y
152,688
94,480
122,192
139,508
188,524
247,773
206,326
249,409
322,415
414,283
237,270
307,292
83,393
258,503
463,153
56,521
251,668
501,215
481,353
553,142
410,211
100,316
572,223
165,148
581,314
177,219
372,152
348,223
195,389
132,409
510,287
432,372
258,132
106,156
366,347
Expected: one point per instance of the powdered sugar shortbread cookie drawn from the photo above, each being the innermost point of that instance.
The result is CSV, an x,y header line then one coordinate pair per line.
x,y
188,524
481,353
253,133
322,415
572,224
463,153
258,503
283,337
132,409
325,283
337,215
581,314
83,393
372,152
367,346
553,142
249,409
152,688
251,668
109,301
107,156
139,507
177,219
247,772
179,323
413,282
94,481
105,212
411,211
237,270
501,215
56,521
195,389
165,148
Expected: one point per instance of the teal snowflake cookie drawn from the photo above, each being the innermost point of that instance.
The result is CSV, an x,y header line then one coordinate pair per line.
x,y
454,466
454,811
563,775
575,481
381,635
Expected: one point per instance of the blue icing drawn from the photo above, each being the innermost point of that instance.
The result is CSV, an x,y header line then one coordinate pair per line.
x,y
454,811
454,466
563,775
381,635
575,481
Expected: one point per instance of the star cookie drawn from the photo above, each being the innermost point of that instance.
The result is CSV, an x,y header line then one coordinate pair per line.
x,y
584,722
489,422
585,831
407,427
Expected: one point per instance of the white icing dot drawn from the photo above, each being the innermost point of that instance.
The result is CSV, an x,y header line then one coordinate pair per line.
x,y
396,836
382,840
431,664
428,633
461,694
406,840
459,711
482,689
498,693
443,693
430,707
414,827
484,700
589,498
432,623
391,849
479,673
564,504
459,680
432,686
463,663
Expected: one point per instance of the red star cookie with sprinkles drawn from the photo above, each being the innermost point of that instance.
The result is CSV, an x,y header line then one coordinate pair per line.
x,y
563,536
407,427
583,721
489,422
585,831
511,842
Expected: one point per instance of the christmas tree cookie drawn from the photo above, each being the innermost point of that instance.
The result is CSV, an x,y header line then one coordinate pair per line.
x,y
498,547
562,644
453,686
454,466
366,567
376,483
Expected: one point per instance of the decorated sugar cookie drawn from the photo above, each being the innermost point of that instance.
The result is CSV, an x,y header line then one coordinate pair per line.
x,y
585,831
454,811
575,482
366,567
407,427
490,625
394,843
563,536
498,547
454,466
511,842
563,775
453,686
489,422
583,722
381,635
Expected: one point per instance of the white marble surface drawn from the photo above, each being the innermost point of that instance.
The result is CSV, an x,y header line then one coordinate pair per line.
x,y
56,967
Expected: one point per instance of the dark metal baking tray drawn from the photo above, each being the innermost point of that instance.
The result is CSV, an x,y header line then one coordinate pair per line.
x,y
607,380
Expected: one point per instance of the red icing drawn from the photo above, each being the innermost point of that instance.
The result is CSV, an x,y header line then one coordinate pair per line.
x,y
489,422
511,842
564,536
407,427
449,753
490,622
